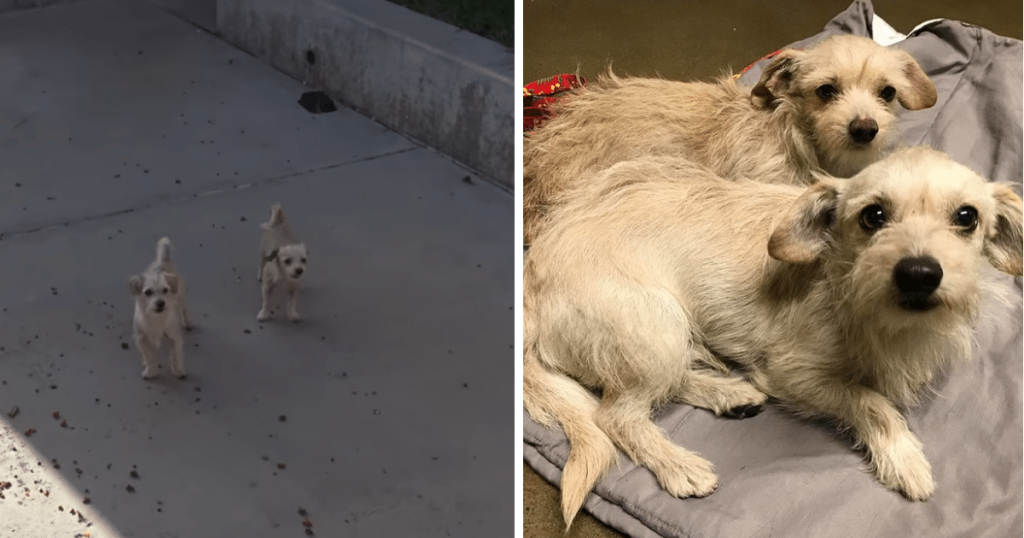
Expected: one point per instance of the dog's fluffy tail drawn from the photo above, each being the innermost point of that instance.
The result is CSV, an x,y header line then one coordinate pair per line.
x,y
551,397
163,250
276,217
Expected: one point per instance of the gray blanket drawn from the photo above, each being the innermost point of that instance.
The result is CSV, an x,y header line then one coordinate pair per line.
x,y
781,476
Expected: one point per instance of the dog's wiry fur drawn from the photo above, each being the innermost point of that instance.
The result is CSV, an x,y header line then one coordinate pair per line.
x,y
656,267
782,129
282,259
161,311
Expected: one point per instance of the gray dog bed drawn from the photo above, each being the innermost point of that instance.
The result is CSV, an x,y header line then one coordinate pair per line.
x,y
785,477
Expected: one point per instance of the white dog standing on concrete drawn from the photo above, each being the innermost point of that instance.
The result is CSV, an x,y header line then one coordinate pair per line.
x,y
829,108
161,311
282,259
842,300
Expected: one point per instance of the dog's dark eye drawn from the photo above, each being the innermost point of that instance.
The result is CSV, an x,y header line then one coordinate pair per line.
x,y
827,92
287,261
148,292
303,260
887,93
967,218
872,218
163,290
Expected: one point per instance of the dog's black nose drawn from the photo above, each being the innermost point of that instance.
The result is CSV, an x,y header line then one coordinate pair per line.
x,y
917,278
298,271
159,303
863,131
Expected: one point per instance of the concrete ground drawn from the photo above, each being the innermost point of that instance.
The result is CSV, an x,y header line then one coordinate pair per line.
x,y
386,412
685,41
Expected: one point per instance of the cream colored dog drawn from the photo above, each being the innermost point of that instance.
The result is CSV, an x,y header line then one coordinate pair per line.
x,y
841,299
829,108
282,260
161,311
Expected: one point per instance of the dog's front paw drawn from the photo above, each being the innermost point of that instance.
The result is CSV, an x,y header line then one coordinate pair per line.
x,y
149,374
294,317
264,315
689,475
741,400
743,411
902,467
178,371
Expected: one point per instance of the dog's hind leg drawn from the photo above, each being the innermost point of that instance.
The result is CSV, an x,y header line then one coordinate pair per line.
x,y
626,418
267,288
729,397
186,318
178,357
640,348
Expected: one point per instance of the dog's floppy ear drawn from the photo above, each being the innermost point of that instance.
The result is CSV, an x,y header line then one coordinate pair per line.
x,y
172,282
1005,241
914,90
777,78
804,232
135,284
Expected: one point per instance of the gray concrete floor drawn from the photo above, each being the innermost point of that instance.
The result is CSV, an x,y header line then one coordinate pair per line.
x,y
686,41
387,408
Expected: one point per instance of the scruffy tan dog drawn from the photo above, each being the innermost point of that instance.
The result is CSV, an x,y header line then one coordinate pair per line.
x,y
827,108
161,311
842,300
282,259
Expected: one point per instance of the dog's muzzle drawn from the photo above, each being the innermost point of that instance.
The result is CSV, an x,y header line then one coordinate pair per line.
x,y
863,131
916,280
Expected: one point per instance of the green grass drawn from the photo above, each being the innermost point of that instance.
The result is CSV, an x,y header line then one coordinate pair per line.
x,y
493,19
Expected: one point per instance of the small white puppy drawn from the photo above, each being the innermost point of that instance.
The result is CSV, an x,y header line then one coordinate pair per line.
x,y
282,259
161,311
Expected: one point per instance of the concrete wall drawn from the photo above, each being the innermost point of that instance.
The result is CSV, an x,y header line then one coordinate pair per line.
x,y
448,88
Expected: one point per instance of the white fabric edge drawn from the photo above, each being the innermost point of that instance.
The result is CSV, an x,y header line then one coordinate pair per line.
x,y
883,33
924,25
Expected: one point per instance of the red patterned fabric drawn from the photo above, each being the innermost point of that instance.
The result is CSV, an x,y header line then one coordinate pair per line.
x,y
539,95
747,68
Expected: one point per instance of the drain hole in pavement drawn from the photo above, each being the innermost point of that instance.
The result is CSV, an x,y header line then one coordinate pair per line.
x,y
317,102
310,57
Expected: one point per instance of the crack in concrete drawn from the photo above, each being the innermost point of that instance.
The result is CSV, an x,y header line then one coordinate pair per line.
x,y
23,121
193,196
